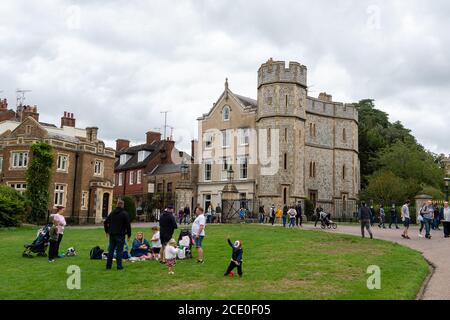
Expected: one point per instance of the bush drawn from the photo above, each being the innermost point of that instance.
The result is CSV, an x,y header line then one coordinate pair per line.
x,y
13,207
130,207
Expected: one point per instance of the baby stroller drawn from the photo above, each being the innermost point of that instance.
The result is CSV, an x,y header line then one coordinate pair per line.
x,y
325,218
39,245
185,241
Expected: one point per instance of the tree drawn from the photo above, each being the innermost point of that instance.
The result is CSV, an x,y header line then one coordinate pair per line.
x,y
38,180
130,207
13,207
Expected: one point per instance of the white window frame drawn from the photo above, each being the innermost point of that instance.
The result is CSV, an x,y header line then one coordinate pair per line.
x,y
60,194
226,138
84,200
65,168
244,136
225,165
208,138
139,177
20,186
120,178
241,161
124,158
131,178
207,164
22,159
100,165
142,155
226,111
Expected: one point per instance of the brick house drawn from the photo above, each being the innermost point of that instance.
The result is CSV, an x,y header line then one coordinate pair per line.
x,y
82,179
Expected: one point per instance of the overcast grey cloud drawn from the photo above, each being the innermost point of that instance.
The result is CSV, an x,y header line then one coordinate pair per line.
x,y
117,64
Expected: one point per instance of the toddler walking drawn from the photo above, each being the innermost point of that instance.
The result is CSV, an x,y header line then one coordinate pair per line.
x,y
170,254
236,258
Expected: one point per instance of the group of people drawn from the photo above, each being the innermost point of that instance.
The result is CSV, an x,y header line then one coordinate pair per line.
x,y
285,214
430,217
163,247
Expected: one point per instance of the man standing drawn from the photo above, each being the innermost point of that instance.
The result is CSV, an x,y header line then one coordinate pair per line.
x,y
285,215
299,217
167,225
445,215
261,214
428,215
318,211
117,225
272,214
406,219
393,217
382,217
364,215
219,213
61,223
198,232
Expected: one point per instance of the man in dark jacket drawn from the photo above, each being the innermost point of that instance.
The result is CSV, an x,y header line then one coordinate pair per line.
x,y
117,225
285,213
167,224
364,216
299,217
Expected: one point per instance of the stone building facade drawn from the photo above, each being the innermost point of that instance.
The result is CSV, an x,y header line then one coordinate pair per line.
x,y
82,179
283,147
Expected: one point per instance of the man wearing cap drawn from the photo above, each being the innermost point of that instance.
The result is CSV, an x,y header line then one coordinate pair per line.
x,y
167,225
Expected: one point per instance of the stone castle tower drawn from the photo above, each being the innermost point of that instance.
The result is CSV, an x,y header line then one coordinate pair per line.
x,y
280,120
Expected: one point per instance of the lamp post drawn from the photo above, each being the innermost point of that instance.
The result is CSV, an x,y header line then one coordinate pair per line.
x,y
230,175
446,183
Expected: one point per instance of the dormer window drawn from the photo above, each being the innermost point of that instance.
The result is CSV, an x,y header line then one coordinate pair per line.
x,y
124,158
226,113
142,155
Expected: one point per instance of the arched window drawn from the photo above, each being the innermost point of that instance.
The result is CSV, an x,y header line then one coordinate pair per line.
x,y
226,113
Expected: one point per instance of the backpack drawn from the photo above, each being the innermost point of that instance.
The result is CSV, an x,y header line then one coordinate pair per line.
x,y
96,253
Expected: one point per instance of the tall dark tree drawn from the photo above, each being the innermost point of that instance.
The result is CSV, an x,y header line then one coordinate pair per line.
x,y
38,180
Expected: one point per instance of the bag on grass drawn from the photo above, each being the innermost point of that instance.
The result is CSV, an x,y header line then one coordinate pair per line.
x,y
96,253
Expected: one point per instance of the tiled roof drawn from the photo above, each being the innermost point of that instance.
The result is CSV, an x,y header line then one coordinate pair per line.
x,y
165,169
248,102
133,163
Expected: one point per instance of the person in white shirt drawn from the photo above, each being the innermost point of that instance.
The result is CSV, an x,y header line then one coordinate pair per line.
x,y
170,254
292,213
156,243
406,219
198,232
445,215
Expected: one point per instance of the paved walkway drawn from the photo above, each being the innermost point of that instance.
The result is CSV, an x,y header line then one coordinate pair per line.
x,y
436,250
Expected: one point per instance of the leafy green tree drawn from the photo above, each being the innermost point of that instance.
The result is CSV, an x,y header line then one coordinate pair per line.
x,y
13,207
38,180
130,207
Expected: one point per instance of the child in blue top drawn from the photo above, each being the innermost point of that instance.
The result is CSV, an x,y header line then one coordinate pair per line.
x,y
236,257
140,248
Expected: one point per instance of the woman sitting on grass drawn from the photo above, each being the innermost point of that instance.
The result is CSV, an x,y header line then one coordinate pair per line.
x,y
140,248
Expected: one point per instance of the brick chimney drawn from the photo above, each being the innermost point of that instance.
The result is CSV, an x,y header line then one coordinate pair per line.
x,y
3,104
323,96
153,136
122,144
30,111
67,120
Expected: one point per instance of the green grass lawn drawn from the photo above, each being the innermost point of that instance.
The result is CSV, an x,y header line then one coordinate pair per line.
x,y
278,264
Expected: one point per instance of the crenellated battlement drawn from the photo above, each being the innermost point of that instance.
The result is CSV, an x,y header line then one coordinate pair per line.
x,y
276,71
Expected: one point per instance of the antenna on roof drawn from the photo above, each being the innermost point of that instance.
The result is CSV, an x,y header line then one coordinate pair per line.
x,y
171,132
20,96
165,123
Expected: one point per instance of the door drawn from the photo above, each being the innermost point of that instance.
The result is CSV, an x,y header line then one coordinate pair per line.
x,y
207,201
105,205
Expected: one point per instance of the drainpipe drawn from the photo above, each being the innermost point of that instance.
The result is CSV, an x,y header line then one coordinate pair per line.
x,y
89,203
74,186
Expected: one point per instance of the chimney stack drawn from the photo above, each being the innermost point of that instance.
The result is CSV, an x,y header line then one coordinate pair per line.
x,y
194,146
30,111
323,96
122,144
153,136
91,134
3,104
67,120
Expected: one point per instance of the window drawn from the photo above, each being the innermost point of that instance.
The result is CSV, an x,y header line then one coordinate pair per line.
x,y
19,160
60,191
28,130
312,129
20,187
285,134
139,177
244,136
120,178
1,164
207,171
84,200
226,161
312,169
62,163
344,135
124,158
142,155
285,161
243,168
98,168
226,113
131,178
159,187
343,171
208,140
169,187
226,138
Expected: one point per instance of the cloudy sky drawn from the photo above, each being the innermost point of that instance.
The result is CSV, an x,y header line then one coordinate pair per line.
x,y
118,64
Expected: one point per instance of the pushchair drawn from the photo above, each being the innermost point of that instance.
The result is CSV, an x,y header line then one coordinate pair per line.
x,y
39,245
185,241
326,222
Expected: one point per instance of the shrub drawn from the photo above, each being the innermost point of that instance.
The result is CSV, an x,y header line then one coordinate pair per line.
x,y
130,207
13,207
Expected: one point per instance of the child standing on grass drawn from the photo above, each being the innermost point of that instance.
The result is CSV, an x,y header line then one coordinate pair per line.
x,y
170,254
53,241
156,243
236,257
